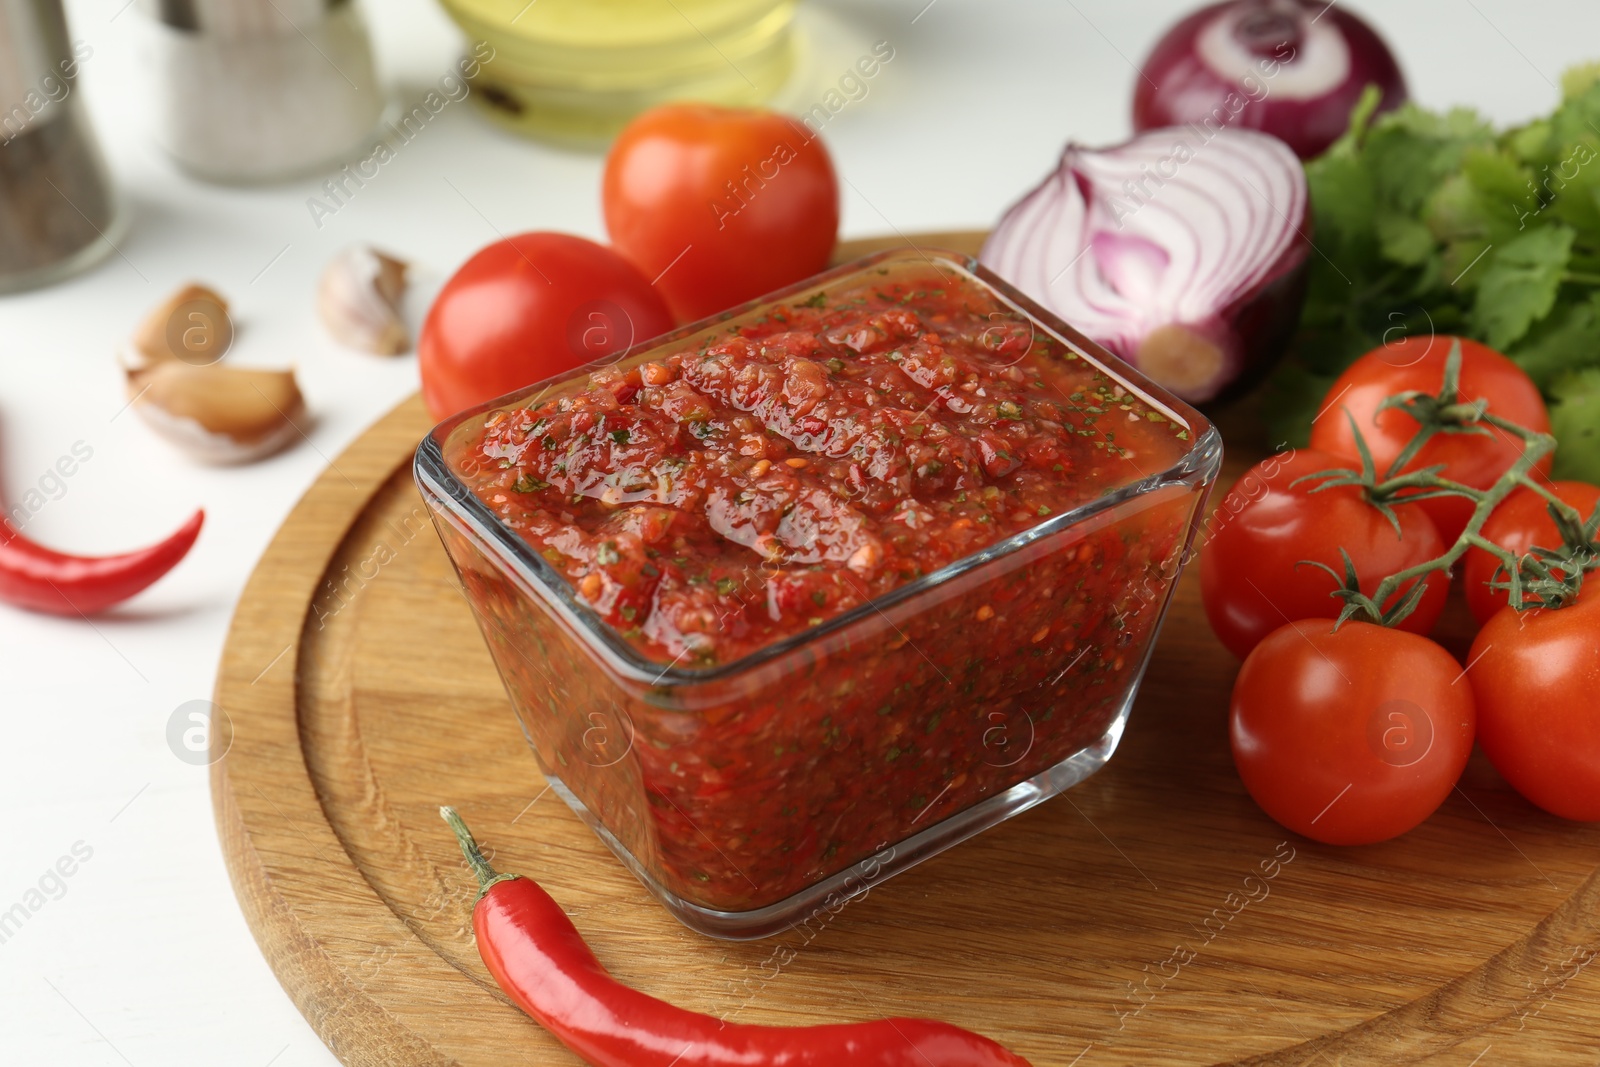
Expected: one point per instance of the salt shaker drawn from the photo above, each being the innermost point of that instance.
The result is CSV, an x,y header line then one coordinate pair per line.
x,y
57,206
260,90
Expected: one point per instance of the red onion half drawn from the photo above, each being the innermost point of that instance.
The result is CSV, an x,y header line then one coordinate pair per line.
x,y
1291,68
1182,251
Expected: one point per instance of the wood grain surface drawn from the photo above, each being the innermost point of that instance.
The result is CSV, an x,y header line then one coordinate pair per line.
x,y
1150,916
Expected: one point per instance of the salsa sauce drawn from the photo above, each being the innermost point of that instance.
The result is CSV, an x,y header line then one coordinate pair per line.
x,y
755,479
778,471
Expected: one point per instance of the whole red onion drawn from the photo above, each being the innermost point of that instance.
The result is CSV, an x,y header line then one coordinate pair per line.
x,y
1291,68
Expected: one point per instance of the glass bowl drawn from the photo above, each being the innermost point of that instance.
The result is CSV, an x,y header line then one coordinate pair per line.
x,y
749,791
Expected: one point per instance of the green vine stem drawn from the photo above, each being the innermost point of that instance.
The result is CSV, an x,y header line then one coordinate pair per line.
x,y
1543,577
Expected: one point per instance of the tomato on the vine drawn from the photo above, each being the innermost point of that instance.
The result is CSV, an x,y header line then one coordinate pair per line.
x,y
1520,522
1536,675
720,205
1350,736
1251,573
1476,459
526,308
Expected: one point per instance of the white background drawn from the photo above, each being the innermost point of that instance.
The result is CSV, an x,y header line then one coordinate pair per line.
x,y
146,960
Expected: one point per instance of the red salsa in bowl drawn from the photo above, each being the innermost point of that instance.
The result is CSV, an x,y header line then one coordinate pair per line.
x,y
795,598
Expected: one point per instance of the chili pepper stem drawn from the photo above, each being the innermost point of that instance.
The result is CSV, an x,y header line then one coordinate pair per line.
x,y
488,877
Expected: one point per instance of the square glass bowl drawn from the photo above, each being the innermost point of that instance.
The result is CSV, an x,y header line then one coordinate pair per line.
x,y
748,794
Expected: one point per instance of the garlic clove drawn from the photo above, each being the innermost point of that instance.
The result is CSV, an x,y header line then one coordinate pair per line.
x,y
219,415
191,326
359,300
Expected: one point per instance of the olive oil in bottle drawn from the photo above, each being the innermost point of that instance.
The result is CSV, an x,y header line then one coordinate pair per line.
x,y
577,70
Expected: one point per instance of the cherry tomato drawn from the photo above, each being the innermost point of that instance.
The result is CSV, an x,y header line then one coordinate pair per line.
x,y
1535,675
1250,575
527,308
720,205
1520,522
1469,458
1349,737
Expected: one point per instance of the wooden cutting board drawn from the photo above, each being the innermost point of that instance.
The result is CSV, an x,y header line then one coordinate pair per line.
x,y
1150,916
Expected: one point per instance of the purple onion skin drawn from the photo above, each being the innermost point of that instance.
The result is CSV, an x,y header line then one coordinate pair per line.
x,y
1252,333
1260,326
1176,86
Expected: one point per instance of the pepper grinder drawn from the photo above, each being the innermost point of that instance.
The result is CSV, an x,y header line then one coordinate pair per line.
x,y
57,207
260,90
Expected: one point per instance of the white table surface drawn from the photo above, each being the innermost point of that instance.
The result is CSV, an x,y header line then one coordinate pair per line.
x,y
144,959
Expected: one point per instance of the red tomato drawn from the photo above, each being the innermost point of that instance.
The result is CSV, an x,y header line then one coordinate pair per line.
x,y
526,308
1266,525
1418,363
1535,675
720,205
1349,737
1520,522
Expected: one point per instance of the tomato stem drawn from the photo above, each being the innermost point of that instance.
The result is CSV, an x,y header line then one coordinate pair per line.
x,y
1535,446
1549,578
1562,508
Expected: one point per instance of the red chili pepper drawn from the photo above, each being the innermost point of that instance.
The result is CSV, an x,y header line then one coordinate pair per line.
x,y
538,957
32,576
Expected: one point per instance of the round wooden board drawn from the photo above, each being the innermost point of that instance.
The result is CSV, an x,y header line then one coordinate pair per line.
x,y
1150,916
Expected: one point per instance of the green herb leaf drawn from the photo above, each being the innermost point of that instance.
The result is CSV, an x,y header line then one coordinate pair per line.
x,y
1575,420
1434,223
1568,339
1520,286
1405,239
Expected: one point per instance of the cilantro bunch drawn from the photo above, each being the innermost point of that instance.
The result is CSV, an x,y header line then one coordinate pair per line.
x,y
1436,223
